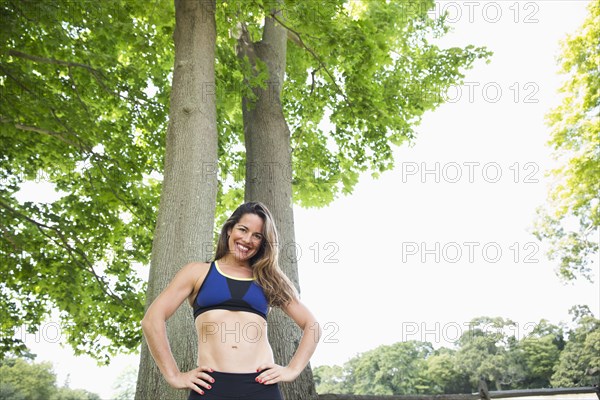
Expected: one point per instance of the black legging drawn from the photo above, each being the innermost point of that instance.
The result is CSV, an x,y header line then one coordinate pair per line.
x,y
230,386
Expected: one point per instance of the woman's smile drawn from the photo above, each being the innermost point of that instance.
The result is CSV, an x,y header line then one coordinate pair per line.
x,y
245,237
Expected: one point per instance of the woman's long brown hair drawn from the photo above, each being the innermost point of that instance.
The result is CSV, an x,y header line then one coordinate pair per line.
x,y
278,288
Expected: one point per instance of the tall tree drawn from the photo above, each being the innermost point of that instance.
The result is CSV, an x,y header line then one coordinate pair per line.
x,y
570,221
331,379
267,142
399,368
186,214
27,380
358,61
124,385
540,351
486,353
445,374
579,362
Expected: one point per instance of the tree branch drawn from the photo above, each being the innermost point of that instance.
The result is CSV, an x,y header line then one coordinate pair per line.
x,y
81,147
10,238
74,87
45,132
46,60
87,264
92,155
301,43
79,144
95,72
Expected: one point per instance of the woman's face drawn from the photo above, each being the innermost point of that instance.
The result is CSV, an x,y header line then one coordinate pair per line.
x,y
245,237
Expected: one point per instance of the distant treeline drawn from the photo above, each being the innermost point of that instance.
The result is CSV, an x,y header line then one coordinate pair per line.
x,y
564,355
23,379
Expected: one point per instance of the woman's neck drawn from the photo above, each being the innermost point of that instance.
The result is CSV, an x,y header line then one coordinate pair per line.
x,y
231,261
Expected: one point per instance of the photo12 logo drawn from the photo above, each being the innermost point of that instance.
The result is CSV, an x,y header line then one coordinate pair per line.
x,y
451,332
48,332
321,253
253,332
468,172
471,252
491,12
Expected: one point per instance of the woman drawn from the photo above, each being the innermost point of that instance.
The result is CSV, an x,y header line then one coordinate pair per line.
x,y
231,297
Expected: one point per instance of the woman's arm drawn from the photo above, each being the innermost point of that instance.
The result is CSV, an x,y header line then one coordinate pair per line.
x,y
155,329
311,334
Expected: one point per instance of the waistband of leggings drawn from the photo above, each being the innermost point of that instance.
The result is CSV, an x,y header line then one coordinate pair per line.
x,y
237,376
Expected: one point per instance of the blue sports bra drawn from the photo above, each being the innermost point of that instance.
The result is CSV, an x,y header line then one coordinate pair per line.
x,y
220,291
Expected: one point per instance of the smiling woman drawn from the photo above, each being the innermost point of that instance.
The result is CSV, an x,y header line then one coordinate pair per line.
x,y
231,297
246,236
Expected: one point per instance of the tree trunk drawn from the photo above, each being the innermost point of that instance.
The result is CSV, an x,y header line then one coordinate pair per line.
x,y
269,180
184,230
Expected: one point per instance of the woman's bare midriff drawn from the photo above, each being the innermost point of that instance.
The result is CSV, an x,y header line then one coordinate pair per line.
x,y
232,341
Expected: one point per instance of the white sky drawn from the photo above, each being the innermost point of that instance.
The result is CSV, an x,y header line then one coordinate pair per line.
x,y
386,285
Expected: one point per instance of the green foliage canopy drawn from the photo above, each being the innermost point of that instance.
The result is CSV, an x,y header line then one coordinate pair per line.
x,y
579,362
390,369
359,77
570,221
75,113
539,353
85,89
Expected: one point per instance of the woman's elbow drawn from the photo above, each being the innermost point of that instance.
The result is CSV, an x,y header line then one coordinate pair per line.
x,y
145,323
319,331
314,329
148,321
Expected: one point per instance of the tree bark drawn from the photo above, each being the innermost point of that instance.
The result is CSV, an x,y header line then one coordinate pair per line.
x,y
184,230
269,180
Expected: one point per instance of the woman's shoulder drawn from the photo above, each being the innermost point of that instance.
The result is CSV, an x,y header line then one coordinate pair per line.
x,y
195,268
189,274
195,272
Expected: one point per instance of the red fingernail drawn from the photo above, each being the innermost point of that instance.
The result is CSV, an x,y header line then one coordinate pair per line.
x,y
210,387
212,380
